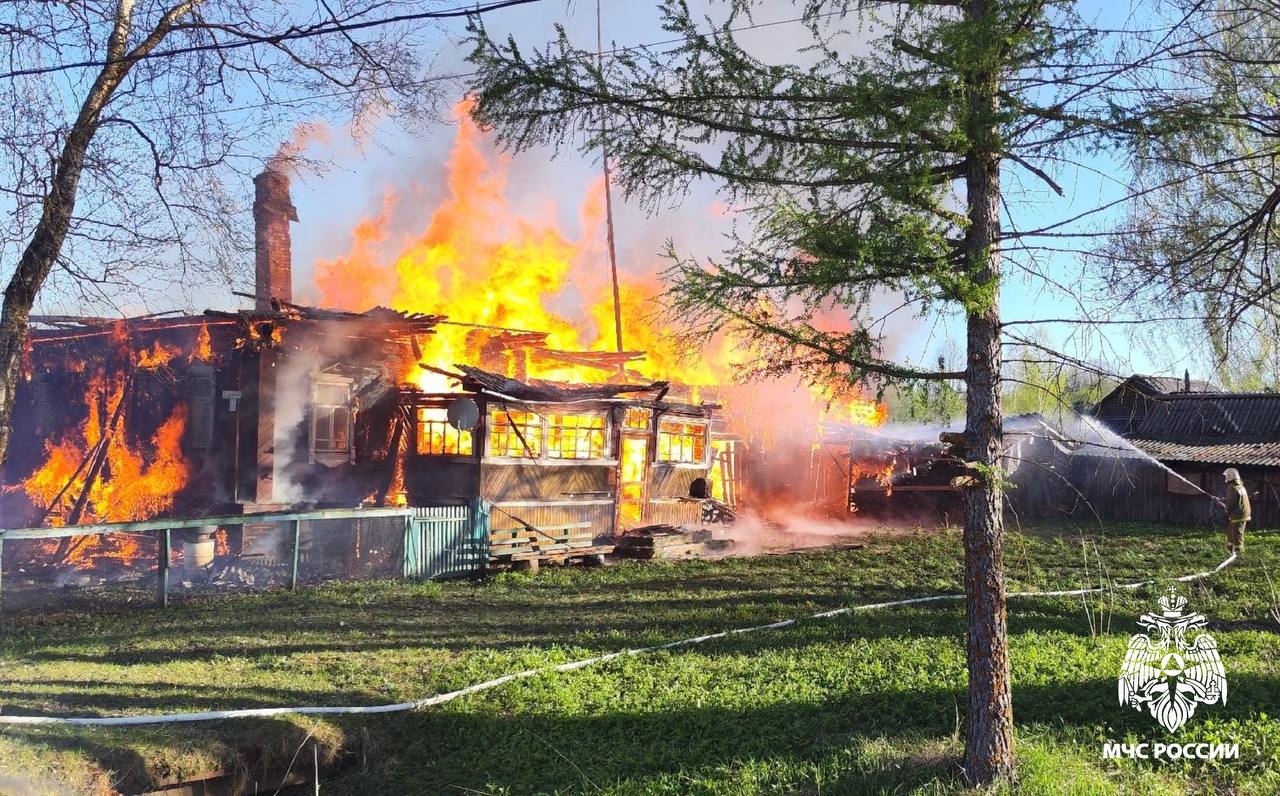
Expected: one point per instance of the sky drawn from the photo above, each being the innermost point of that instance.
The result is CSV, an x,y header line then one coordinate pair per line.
x,y
551,190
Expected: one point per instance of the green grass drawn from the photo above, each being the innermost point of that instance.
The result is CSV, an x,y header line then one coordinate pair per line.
x,y
867,703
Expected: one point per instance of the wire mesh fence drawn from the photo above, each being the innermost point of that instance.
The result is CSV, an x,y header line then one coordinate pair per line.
x,y
57,568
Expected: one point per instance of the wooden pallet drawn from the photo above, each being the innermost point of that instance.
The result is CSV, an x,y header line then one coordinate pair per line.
x,y
558,542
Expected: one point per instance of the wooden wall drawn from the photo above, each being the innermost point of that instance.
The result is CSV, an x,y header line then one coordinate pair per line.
x,y
441,480
501,481
671,481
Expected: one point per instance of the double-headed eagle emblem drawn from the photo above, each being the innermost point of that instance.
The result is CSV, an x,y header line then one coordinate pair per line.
x,y
1168,673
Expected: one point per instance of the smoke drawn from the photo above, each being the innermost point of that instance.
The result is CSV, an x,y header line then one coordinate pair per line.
x,y
787,527
288,157
306,360
1087,436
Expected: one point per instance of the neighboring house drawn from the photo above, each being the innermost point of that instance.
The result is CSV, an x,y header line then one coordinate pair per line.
x,y
1129,402
1197,433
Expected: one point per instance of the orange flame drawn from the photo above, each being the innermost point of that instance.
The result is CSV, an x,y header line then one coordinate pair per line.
x,y
479,262
203,351
127,486
157,356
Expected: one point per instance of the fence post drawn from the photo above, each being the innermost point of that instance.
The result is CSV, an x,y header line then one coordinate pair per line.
x,y
480,533
166,544
409,568
1,577
297,542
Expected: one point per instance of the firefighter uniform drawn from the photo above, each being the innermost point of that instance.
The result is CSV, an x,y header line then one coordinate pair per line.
x,y
1239,512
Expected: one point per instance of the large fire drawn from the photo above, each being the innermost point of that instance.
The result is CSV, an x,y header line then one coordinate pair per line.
x,y
93,473
128,485
480,263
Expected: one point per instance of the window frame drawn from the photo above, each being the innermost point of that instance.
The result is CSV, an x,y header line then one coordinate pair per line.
x,y
460,434
659,434
331,456
540,439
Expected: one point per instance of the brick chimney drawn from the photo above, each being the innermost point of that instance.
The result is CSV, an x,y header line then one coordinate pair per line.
x,y
272,211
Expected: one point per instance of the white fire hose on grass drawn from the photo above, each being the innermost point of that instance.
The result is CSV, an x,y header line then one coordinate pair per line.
x,y
439,699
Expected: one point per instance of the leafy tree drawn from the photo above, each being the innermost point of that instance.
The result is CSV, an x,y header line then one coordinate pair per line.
x,y
1050,386
1197,246
928,401
876,161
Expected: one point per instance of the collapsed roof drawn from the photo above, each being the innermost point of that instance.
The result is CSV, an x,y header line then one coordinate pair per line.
x,y
541,390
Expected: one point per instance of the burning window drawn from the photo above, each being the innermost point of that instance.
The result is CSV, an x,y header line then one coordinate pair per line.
x,y
331,420
575,436
682,443
515,434
436,436
636,418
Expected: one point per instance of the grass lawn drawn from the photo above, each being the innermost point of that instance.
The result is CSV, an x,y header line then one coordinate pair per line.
x,y
867,703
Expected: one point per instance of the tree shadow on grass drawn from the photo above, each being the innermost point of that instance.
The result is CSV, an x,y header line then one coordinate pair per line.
x,y
625,627
884,741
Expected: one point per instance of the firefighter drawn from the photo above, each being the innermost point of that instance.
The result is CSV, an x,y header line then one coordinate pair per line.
x,y
1239,512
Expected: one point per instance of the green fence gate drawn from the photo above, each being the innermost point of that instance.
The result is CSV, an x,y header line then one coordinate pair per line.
x,y
447,541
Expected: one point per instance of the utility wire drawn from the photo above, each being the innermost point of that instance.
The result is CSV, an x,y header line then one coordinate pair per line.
x,y
251,39
439,78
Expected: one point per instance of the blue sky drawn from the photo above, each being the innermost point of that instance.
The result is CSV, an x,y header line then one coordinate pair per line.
x,y
331,203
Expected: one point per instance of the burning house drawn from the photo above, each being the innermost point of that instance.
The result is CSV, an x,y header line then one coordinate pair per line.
x,y
291,407
885,474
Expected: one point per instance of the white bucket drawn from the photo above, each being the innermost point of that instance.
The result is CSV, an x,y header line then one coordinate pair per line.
x,y
198,554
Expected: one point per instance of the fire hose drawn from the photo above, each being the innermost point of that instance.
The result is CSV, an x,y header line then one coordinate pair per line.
x,y
449,696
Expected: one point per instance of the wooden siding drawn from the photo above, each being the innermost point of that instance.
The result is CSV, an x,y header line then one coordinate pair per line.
x,y
502,481
670,481
669,511
435,480
552,517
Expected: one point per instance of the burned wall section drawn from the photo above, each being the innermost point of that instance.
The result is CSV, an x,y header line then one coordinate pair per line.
x,y
322,408
119,421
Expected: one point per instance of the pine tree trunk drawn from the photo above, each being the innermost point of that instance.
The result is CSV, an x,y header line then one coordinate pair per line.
x,y
988,753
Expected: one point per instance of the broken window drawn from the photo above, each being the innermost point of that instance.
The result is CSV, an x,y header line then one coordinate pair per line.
x,y
515,434
437,437
575,436
331,420
681,442
724,478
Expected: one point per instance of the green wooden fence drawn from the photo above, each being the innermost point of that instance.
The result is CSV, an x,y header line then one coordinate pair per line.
x,y
447,541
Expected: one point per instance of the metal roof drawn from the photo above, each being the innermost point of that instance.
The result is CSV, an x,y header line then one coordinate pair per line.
x,y
1265,454
1216,428
1210,418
